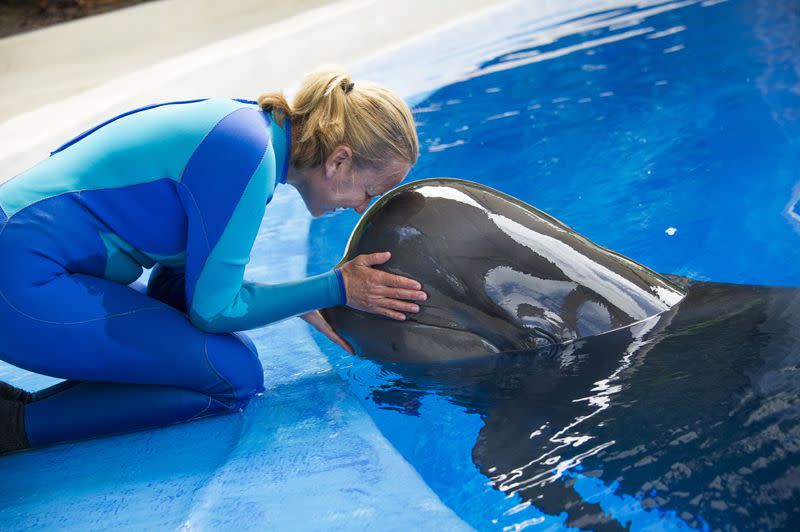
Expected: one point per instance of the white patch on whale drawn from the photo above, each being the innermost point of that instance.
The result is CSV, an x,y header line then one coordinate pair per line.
x,y
433,191
620,292
670,297
617,290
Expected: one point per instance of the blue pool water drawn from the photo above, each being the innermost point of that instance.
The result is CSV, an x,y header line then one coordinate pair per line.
x,y
667,131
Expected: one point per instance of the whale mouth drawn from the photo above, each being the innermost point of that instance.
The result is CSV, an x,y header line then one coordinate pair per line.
x,y
433,343
477,343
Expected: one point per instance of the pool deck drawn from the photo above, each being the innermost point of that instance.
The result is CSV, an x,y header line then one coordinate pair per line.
x,y
288,466
56,82
56,62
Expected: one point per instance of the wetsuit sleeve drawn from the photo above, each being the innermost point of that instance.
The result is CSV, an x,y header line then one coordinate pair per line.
x,y
225,188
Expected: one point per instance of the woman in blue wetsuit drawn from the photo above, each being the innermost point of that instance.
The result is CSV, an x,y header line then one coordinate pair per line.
x,y
181,187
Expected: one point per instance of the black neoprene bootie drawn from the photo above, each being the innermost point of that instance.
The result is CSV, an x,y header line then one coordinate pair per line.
x,y
12,427
13,393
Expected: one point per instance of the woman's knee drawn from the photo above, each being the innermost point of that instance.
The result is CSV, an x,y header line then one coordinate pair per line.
x,y
235,358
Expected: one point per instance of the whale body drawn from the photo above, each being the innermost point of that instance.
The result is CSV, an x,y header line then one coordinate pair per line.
x,y
501,276
645,379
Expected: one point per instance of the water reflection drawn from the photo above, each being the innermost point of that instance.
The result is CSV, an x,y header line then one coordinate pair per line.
x,y
556,39
694,412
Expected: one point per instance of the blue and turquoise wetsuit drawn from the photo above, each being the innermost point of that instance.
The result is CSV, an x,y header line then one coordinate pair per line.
x,y
182,187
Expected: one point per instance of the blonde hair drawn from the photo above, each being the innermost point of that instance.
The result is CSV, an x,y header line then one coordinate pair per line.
x,y
330,109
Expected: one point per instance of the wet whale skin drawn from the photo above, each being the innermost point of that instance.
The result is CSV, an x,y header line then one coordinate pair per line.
x,y
501,276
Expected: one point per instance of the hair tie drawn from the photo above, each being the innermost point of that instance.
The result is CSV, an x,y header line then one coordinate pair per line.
x,y
347,87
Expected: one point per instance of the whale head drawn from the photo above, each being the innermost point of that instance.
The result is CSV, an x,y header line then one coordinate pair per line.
x,y
500,275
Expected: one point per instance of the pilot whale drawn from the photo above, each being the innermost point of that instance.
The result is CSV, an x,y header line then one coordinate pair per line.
x,y
501,276
577,359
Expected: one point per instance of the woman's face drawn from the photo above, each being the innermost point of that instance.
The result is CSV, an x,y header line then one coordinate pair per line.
x,y
338,184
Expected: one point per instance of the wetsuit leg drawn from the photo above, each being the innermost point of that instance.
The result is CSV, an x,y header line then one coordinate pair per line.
x,y
168,285
133,361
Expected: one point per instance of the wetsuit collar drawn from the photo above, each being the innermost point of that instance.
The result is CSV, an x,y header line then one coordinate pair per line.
x,y
282,144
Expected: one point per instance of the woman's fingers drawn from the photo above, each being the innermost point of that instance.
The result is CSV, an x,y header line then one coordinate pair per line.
x,y
380,292
376,258
338,340
401,293
389,313
335,338
316,319
397,304
398,281
389,279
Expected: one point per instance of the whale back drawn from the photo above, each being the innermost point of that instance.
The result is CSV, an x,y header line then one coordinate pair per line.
x,y
500,276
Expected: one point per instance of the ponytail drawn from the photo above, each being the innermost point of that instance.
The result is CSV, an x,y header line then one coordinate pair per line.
x,y
330,109
275,103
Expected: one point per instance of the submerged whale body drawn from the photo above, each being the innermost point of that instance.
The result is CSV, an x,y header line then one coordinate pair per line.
x,y
650,383
501,276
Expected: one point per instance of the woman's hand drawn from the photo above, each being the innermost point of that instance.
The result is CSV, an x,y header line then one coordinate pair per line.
x,y
315,319
379,292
